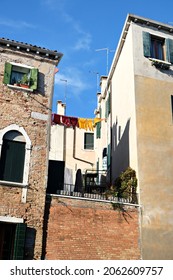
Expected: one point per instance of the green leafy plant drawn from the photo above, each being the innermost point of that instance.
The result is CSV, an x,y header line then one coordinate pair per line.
x,y
126,184
25,80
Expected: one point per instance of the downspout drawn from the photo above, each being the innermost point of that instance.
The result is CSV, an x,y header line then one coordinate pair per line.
x,y
74,150
64,145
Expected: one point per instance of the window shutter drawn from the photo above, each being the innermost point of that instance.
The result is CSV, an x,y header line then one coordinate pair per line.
x,y
109,104
7,73
169,50
98,130
12,161
34,78
19,242
106,109
108,155
146,44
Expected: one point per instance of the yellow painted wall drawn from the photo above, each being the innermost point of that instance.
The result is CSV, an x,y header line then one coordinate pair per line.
x,y
155,165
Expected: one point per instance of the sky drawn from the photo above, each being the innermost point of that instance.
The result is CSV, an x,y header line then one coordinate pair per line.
x,y
85,31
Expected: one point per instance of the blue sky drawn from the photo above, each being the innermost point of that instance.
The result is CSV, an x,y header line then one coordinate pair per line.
x,y
78,29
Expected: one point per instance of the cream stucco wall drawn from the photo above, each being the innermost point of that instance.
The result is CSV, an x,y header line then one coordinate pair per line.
x,y
124,145
67,144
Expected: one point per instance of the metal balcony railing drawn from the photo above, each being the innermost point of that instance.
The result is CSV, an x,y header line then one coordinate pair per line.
x,y
97,192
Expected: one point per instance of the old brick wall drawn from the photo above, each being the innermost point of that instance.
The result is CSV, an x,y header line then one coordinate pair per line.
x,y
17,107
86,230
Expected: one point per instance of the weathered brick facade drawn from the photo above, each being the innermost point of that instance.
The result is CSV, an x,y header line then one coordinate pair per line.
x,y
85,230
31,111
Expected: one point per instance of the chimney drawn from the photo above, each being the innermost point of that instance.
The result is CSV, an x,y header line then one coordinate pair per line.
x,y
61,108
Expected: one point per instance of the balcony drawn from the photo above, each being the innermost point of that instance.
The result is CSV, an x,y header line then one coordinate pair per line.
x,y
96,192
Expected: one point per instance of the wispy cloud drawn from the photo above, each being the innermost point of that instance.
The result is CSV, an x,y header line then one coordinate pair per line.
x,y
76,82
15,24
83,38
83,43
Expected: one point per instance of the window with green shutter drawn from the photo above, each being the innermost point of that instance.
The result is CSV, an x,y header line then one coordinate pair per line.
x,y
98,130
20,76
12,157
19,242
107,106
157,47
108,155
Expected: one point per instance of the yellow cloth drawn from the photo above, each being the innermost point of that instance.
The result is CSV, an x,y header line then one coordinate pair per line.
x,y
88,123
81,122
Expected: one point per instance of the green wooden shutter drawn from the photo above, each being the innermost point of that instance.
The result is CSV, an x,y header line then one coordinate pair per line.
x,y
12,161
146,44
7,73
109,155
19,242
34,78
169,50
109,104
98,130
106,110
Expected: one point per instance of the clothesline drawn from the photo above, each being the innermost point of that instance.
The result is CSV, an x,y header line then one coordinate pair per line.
x,y
82,123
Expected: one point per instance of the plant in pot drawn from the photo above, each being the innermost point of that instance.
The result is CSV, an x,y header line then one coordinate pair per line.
x,y
25,81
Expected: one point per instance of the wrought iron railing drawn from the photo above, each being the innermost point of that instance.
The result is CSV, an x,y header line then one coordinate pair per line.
x,y
97,192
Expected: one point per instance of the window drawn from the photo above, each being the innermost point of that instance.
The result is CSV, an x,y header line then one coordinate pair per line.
x,y
15,151
89,141
12,157
12,241
108,155
107,106
157,47
98,125
20,76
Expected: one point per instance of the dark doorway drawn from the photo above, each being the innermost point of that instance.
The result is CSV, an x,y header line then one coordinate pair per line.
x,y
55,176
12,241
7,235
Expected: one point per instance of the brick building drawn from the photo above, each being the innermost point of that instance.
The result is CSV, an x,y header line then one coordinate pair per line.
x,y
26,88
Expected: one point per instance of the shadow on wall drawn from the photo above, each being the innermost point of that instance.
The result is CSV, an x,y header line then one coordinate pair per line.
x,y
45,225
30,243
120,149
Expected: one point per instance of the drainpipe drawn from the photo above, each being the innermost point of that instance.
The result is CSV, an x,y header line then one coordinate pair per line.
x,y
74,151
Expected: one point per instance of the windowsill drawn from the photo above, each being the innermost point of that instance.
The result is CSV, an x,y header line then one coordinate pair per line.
x,y
20,88
13,184
160,63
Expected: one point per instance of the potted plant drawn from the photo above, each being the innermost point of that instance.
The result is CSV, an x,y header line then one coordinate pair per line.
x,y
25,81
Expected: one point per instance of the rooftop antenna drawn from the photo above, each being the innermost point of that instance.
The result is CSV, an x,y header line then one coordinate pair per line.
x,y
97,78
65,94
107,56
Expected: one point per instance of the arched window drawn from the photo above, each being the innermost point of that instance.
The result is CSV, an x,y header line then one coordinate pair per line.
x,y
15,149
12,157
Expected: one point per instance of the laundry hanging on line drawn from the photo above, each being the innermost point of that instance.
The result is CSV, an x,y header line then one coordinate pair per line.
x,y
82,123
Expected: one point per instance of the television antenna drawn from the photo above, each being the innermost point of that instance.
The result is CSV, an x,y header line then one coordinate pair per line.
x,y
97,78
107,56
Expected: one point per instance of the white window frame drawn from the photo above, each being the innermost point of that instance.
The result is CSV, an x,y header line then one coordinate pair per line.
x,y
24,183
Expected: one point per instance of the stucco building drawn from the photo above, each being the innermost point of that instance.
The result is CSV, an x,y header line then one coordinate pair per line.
x,y
140,86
